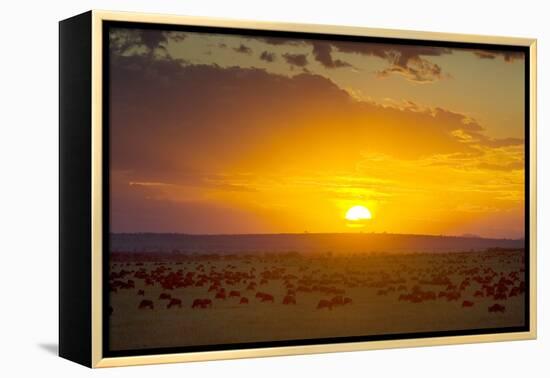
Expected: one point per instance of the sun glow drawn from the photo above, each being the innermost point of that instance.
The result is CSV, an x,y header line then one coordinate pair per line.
x,y
358,213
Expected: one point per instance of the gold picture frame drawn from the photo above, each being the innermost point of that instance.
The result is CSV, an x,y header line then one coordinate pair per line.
x,y
88,329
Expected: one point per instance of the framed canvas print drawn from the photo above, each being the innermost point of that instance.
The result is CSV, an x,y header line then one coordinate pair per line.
x,y
236,189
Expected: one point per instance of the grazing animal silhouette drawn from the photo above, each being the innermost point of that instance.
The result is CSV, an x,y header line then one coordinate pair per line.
x,y
337,301
467,304
323,303
427,295
165,296
499,296
496,308
201,303
268,298
453,296
289,299
265,297
220,295
141,292
244,300
489,290
146,303
173,303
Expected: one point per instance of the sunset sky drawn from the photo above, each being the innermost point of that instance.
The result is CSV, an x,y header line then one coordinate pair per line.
x,y
215,133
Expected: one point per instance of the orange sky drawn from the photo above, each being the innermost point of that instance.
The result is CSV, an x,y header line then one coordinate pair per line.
x,y
227,134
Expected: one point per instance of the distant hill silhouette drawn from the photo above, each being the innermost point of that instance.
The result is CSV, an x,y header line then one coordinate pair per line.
x,y
305,243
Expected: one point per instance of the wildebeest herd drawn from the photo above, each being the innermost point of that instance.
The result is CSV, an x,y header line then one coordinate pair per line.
x,y
169,299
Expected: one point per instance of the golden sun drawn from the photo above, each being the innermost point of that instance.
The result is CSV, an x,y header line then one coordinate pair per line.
x,y
358,213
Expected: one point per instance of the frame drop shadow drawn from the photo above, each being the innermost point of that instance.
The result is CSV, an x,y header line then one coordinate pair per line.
x,y
52,348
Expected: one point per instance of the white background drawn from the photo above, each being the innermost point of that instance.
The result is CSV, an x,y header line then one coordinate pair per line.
x,y
29,189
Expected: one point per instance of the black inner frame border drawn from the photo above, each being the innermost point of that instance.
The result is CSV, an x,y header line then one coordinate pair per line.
x,y
107,25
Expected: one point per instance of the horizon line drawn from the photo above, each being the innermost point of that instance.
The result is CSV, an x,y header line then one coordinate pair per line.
x,y
465,236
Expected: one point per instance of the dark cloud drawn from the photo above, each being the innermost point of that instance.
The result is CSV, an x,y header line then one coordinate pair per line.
x,y
322,51
299,60
405,60
190,108
409,61
243,49
268,56
175,36
153,39
277,41
418,70
400,54
123,40
166,115
140,208
507,56
452,119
